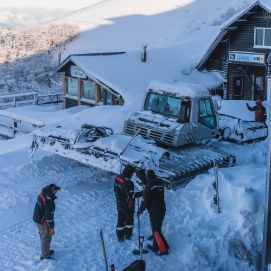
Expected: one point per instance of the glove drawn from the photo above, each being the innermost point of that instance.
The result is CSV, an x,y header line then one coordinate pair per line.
x,y
131,203
52,231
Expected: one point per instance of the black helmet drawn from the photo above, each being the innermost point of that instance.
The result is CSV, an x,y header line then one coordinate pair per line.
x,y
52,187
128,171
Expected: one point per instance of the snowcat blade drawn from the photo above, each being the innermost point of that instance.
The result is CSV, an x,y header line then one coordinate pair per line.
x,y
240,131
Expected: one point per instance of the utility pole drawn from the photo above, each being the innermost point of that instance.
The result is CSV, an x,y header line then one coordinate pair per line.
x,y
266,250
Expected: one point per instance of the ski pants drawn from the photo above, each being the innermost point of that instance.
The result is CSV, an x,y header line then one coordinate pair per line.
x,y
45,239
156,220
125,224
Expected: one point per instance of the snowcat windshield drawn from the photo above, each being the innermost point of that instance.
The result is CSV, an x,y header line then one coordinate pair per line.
x,y
162,104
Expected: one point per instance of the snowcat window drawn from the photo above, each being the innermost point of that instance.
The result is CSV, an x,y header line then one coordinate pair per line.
x,y
185,112
162,104
207,116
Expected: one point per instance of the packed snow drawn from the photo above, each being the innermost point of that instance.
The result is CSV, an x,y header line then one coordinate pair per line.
x,y
199,237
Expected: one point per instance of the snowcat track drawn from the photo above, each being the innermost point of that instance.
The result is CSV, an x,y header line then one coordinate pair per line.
x,y
192,161
175,170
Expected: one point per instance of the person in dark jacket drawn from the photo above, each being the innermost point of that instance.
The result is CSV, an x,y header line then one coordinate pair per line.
x,y
125,199
44,218
153,201
260,111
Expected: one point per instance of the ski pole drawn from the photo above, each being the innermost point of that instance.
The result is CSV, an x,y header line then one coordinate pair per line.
x,y
140,238
104,251
128,143
217,189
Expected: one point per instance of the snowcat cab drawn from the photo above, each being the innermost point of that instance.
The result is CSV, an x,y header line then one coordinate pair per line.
x,y
175,114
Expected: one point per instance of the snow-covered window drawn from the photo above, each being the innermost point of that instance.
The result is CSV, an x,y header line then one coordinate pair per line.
x,y
72,86
185,111
207,115
89,90
262,37
163,104
259,87
107,97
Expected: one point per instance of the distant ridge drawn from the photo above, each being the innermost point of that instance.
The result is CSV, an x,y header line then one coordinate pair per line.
x,y
78,11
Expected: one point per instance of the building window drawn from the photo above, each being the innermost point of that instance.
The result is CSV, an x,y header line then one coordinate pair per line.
x,y
262,37
108,97
72,86
89,90
259,87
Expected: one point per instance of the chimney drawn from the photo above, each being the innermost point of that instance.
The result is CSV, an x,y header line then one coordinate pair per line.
x,y
144,53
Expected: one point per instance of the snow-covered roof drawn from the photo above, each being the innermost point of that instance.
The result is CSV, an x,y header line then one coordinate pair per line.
x,y
180,88
128,76
227,26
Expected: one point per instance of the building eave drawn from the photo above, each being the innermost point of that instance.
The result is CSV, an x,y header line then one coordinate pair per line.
x,y
224,30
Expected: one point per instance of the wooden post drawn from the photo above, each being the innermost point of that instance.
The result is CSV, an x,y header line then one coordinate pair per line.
x,y
36,99
15,125
79,91
64,90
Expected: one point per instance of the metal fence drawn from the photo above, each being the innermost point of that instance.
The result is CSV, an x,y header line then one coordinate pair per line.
x,y
31,98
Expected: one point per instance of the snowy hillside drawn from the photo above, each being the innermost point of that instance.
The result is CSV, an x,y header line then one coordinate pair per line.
x,y
127,24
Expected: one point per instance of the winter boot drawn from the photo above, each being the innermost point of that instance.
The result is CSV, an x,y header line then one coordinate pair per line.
x,y
138,265
121,239
161,243
152,248
47,258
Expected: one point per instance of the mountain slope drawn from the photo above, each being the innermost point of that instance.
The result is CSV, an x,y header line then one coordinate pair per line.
x,y
117,25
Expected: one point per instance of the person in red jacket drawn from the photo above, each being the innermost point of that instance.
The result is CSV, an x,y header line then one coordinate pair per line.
x,y
259,109
44,218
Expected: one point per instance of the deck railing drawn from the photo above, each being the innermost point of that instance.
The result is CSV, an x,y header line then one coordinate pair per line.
x,y
31,98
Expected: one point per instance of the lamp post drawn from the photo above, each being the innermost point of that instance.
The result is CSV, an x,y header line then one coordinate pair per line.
x,y
266,251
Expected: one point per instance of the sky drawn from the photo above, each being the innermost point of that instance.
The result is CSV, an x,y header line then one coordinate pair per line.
x,y
52,4
21,13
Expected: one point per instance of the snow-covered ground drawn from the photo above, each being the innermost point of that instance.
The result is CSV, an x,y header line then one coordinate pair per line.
x,y
199,237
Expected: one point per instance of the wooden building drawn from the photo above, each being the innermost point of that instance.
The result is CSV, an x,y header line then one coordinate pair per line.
x,y
80,87
122,77
242,54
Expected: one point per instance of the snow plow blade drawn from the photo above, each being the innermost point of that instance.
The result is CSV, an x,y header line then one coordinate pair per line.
x,y
240,131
